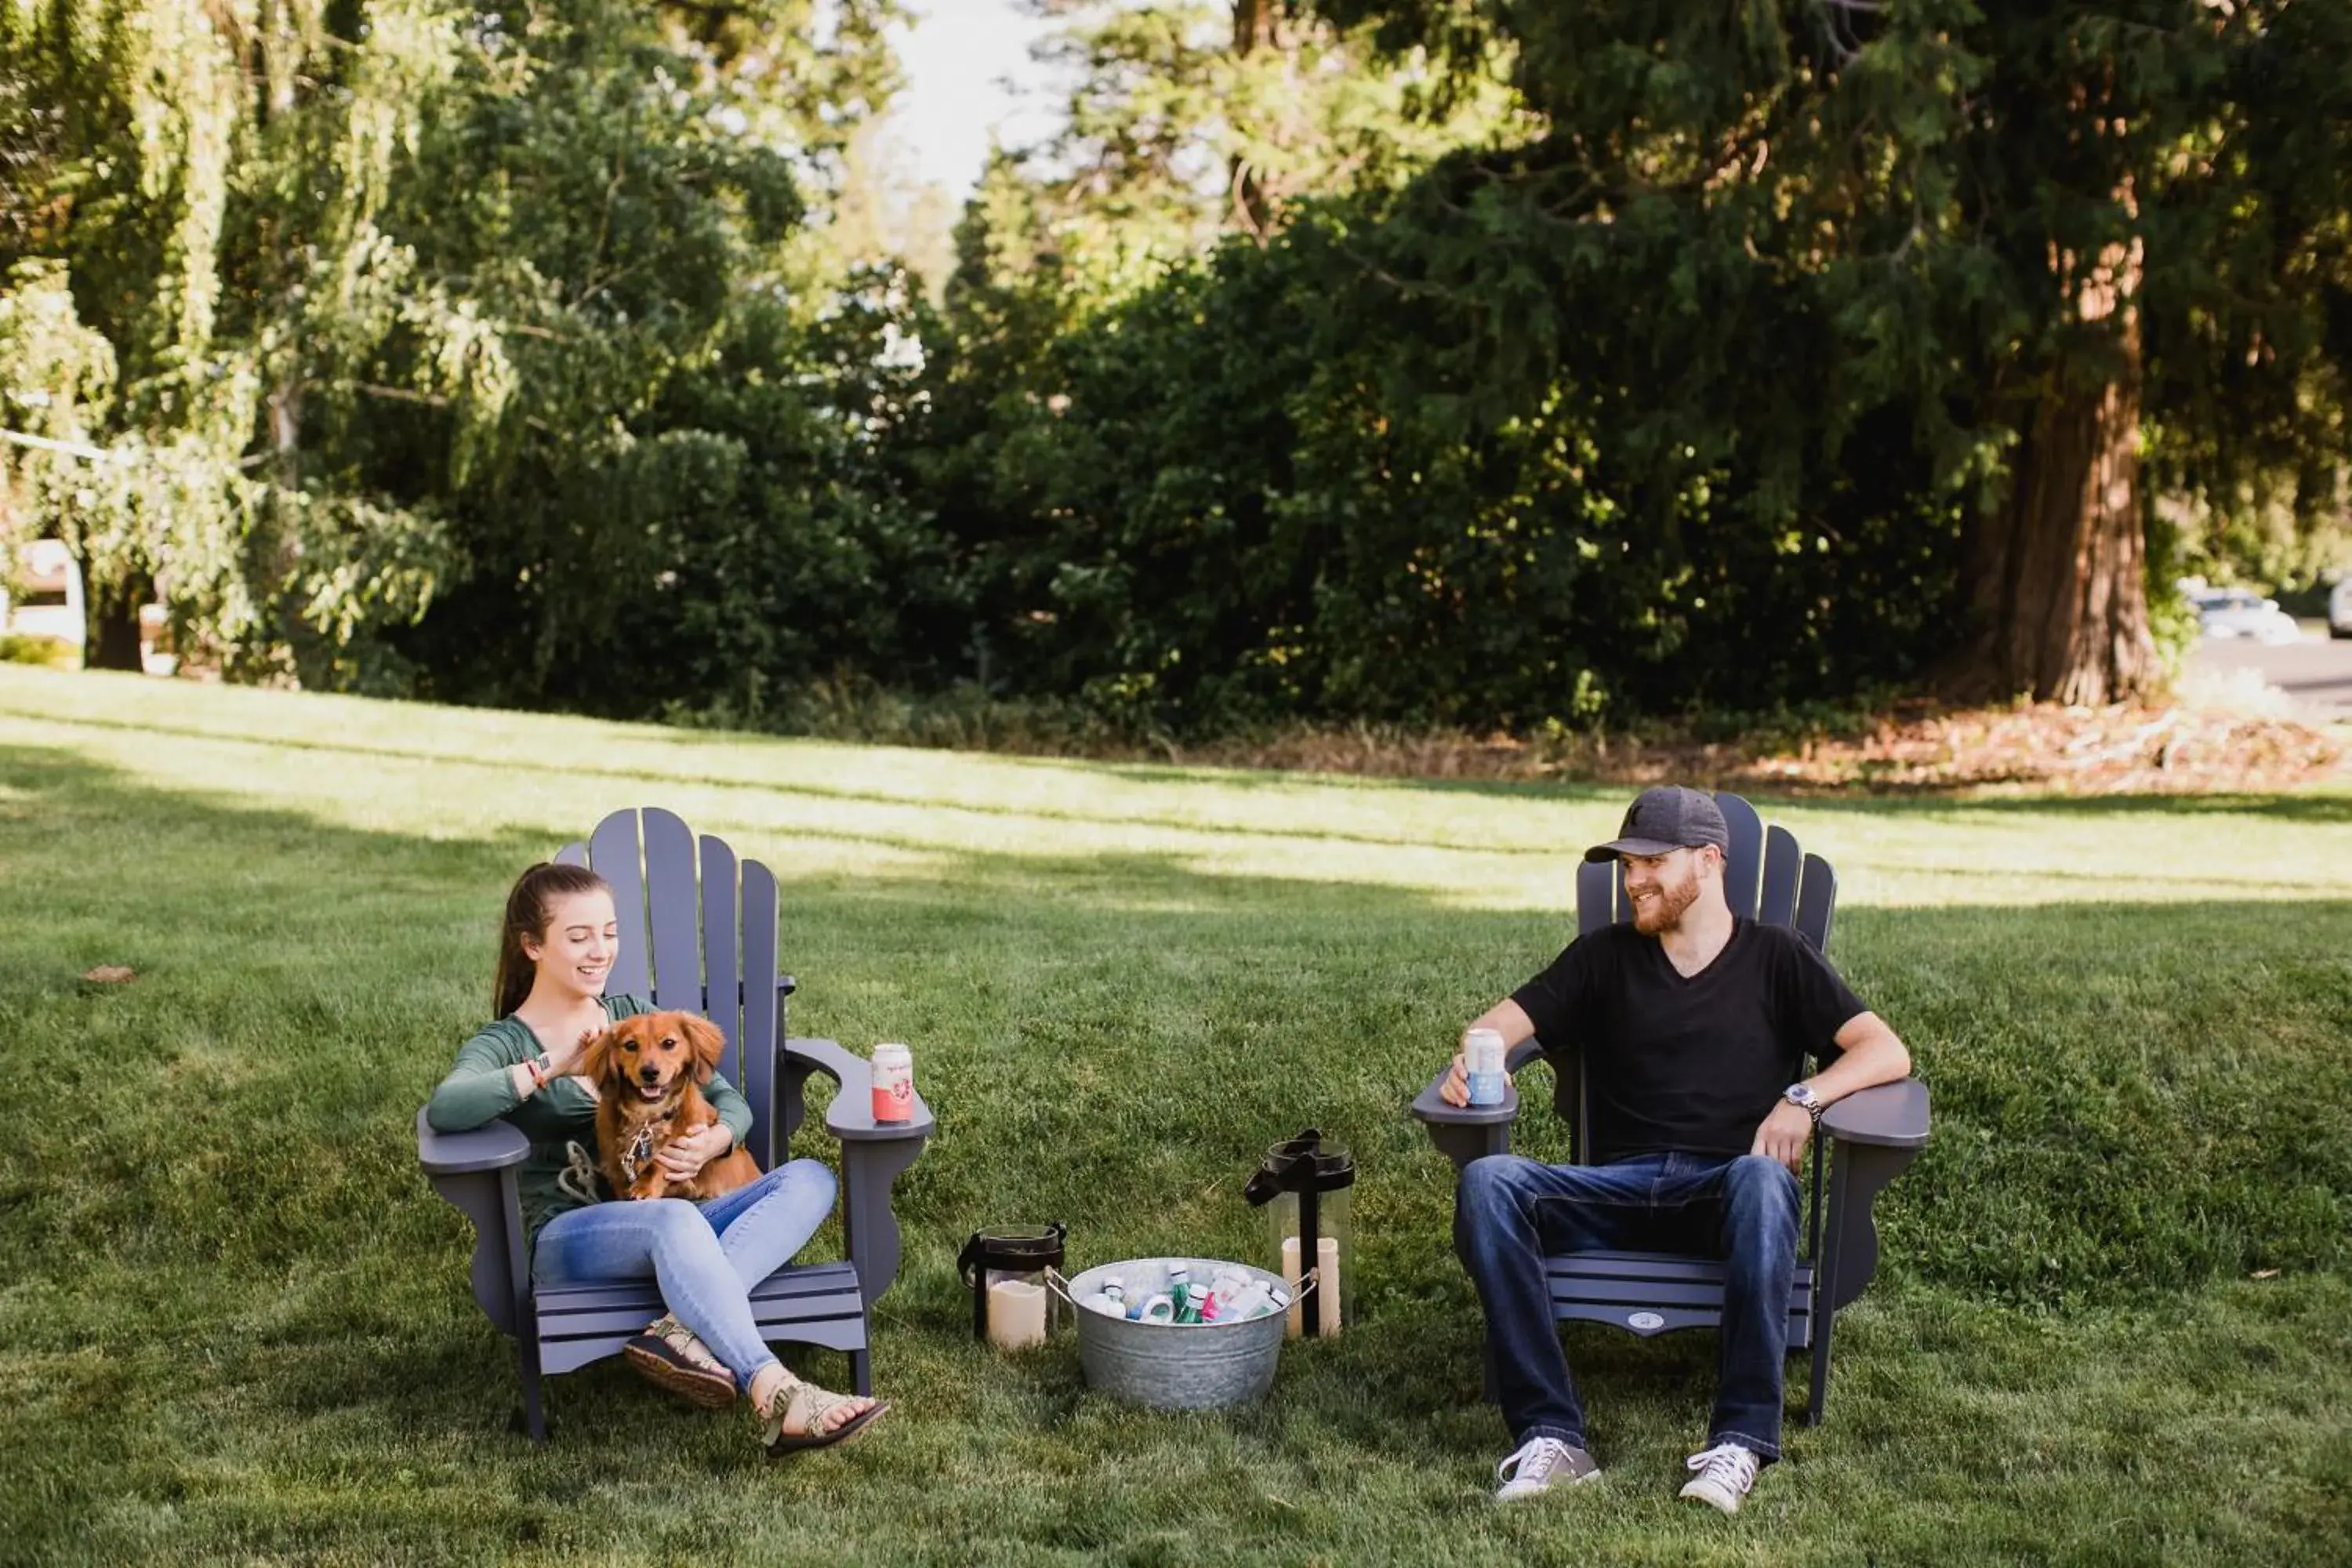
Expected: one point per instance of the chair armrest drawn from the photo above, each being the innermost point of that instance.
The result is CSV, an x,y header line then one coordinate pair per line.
x,y
872,1154
850,1117
1432,1110
1891,1116
491,1147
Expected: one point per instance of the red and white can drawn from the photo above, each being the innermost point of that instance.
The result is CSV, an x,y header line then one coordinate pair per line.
x,y
894,1083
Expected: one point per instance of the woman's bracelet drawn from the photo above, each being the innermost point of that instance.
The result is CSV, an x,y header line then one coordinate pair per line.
x,y
539,1067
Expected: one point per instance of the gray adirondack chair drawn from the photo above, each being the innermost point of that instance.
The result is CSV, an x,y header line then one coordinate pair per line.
x,y
1867,1138
704,943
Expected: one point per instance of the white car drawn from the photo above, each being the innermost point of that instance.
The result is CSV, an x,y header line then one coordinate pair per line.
x,y
48,602
2339,607
2242,613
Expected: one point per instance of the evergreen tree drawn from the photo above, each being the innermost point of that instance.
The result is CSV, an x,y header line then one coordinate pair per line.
x,y
2096,250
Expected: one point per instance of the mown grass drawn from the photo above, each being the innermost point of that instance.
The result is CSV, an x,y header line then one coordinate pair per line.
x,y
234,1324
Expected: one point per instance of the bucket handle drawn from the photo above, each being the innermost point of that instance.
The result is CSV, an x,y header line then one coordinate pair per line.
x,y
1059,1284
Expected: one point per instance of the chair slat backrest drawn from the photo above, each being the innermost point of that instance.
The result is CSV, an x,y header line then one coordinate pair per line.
x,y
722,972
1596,896
760,971
1744,860
676,913
613,854
1816,902
704,944
1778,903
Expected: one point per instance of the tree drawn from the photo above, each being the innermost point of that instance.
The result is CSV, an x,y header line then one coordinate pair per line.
x,y
2097,251
323,314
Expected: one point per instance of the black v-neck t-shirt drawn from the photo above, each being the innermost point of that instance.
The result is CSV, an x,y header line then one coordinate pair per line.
x,y
1688,1065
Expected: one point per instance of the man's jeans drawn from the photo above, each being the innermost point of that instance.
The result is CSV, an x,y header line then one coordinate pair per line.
x,y
1510,1214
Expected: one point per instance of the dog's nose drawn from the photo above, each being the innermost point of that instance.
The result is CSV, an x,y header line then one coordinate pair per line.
x,y
649,1074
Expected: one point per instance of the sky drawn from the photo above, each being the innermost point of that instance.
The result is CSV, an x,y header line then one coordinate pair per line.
x,y
967,64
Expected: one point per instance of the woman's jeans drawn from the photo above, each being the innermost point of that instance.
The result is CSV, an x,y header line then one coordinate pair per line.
x,y
706,1256
1510,1214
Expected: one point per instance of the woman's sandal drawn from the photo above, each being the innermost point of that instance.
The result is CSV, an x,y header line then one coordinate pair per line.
x,y
806,1406
669,1356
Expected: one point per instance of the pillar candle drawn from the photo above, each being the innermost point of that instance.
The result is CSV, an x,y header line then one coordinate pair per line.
x,y
1016,1314
1326,1285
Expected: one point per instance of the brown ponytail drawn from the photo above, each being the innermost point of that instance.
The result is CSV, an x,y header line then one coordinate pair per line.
x,y
526,920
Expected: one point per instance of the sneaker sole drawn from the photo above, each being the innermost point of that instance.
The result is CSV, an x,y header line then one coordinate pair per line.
x,y
1709,1496
1555,1487
704,1390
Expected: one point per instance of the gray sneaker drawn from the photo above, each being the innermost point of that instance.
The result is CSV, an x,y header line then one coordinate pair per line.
x,y
1540,1464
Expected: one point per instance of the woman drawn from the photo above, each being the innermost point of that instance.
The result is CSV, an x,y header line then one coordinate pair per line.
x,y
556,947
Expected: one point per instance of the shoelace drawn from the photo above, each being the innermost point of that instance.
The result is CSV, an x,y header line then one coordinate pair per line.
x,y
1534,1462
1726,1463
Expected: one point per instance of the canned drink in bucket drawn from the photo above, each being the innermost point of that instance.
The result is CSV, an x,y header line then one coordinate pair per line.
x,y
894,1083
1482,1051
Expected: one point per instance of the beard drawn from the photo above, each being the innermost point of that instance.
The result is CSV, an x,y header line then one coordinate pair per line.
x,y
1663,910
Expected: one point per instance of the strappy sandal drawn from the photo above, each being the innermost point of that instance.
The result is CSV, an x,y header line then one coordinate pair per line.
x,y
669,1356
806,1405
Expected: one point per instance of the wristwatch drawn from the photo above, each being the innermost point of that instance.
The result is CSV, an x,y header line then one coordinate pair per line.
x,y
1801,1096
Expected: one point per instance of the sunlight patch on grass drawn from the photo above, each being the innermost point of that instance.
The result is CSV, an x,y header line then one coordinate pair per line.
x,y
824,811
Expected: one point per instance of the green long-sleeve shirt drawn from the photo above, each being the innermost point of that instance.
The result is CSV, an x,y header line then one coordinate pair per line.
x,y
560,1173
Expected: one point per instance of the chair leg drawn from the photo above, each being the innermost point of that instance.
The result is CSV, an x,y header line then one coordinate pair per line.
x,y
861,1372
1821,1391
534,1413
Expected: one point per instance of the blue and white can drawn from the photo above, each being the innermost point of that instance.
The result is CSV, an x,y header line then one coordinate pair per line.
x,y
1482,1060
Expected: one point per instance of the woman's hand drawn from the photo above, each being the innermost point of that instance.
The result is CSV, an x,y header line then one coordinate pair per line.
x,y
565,1064
682,1157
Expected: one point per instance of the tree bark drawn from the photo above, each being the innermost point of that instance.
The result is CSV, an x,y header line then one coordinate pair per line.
x,y
2057,578
111,608
1253,213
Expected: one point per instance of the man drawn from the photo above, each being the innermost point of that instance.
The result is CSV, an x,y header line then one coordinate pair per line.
x,y
1694,1025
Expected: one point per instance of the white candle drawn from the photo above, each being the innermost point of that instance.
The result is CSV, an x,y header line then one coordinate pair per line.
x,y
1016,1314
1326,1285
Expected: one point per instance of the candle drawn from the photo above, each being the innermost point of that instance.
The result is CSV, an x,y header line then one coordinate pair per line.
x,y
1016,1314
1326,1285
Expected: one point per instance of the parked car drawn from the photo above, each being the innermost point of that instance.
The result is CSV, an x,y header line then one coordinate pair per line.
x,y
2339,607
2242,613
41,601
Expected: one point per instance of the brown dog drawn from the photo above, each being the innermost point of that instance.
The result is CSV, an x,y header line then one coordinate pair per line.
x,y
648,1072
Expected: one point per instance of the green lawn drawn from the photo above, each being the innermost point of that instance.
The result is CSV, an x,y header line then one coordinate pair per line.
x,y
2115,1324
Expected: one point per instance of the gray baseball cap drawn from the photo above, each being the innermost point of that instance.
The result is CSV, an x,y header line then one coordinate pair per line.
x,y
1665,817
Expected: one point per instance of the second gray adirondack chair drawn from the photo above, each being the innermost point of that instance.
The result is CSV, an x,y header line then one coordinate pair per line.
x,y
706,943
1868,1138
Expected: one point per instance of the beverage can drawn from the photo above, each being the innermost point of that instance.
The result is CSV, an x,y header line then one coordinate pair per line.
x,y
1482,1052
894,1083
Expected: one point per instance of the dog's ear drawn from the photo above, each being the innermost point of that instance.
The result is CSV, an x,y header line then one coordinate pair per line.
x,y
709,1045
596,1061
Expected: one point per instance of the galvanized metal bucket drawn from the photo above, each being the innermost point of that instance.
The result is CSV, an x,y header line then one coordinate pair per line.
x,y
1175,1366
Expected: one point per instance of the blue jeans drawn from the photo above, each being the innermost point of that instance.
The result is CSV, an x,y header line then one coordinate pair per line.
x,y
1510,1214
707,1255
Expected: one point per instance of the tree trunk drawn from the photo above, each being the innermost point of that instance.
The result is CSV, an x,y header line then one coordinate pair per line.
x,y
1251,212
2056,579
112,610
